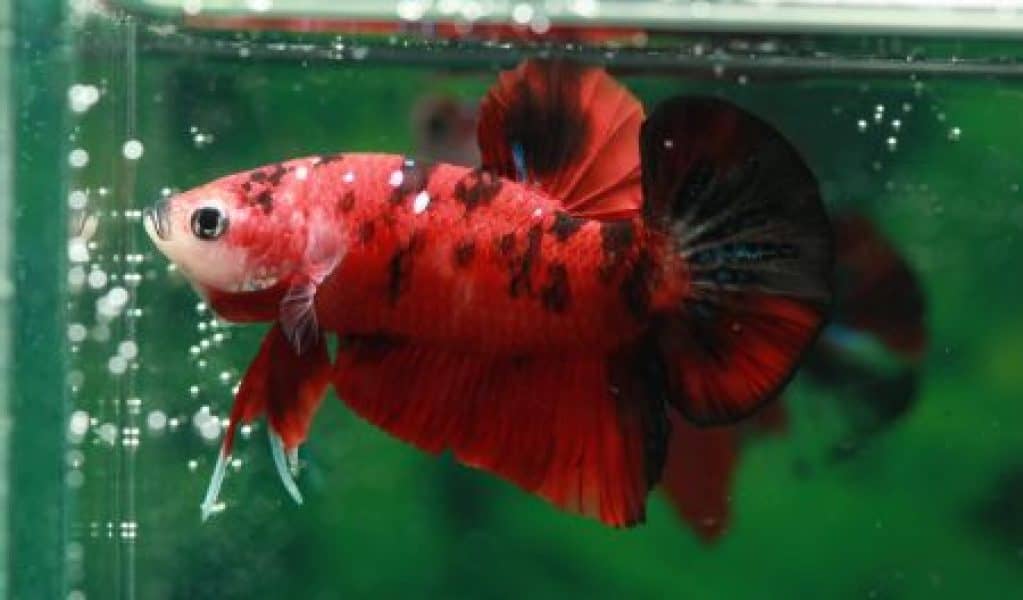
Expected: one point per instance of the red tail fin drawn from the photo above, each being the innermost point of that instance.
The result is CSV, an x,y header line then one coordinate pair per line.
x,y
698,475
744,211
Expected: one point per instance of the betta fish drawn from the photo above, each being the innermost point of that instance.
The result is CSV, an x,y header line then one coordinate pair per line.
x,y
535,315
867,357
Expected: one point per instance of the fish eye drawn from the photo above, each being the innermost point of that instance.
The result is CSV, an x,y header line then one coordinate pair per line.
x,y
209,223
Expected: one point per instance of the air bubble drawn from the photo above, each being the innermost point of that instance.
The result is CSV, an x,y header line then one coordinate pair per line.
x,y
81,97
107,432
77,199
522,13
193,465
259,5
954,134
191,7
97,279
156,420
117,365
78,424
76,332
892,143
861,125
78,158
128,349
411,10
132,149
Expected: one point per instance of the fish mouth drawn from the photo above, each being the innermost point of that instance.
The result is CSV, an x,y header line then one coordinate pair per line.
x,y
155,220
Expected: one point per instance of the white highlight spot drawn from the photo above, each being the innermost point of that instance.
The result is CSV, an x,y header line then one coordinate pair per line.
x,y
81,97
77,199
76,332
78,158
411,10
79,423
117,365
97,279
156,420
396,178
132,149
128,349
260,5
421,201
191,7
522,13
301,173
348,177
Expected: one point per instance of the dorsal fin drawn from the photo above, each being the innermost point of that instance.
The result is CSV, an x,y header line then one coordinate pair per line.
x,y
574,129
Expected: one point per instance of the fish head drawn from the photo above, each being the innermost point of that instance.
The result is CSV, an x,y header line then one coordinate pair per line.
x,y
223,240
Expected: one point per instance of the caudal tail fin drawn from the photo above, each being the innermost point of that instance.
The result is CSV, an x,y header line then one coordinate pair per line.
x,y
741,208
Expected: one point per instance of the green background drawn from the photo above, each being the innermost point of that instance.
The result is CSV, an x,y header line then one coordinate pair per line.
x,y
931,508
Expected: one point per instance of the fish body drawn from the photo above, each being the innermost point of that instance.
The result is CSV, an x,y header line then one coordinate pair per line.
x,y
539,315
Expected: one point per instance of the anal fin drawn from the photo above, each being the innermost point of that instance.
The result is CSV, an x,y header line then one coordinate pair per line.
x,y
556,426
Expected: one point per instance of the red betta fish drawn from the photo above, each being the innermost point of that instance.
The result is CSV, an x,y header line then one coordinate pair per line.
x,y
535,315
868,357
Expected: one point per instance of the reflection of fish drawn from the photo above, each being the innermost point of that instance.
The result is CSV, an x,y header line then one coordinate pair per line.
x,y
533,315
445,130
869,352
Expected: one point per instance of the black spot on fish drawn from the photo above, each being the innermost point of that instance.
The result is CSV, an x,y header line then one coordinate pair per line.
x,y
565,225
346,201
265,199
635,288
415,176
476,188
326,159
257,176
366,231
556,295
369,347
617,238
399,268
277,173
506,244
464,252
520,282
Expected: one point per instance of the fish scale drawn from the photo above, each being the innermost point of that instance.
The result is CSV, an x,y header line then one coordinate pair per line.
x,y
471,306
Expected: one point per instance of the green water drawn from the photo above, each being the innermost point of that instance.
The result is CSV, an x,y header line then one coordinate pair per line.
x,y
115,359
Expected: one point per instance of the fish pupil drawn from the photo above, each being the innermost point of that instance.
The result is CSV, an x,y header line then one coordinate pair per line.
x,y
208,223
